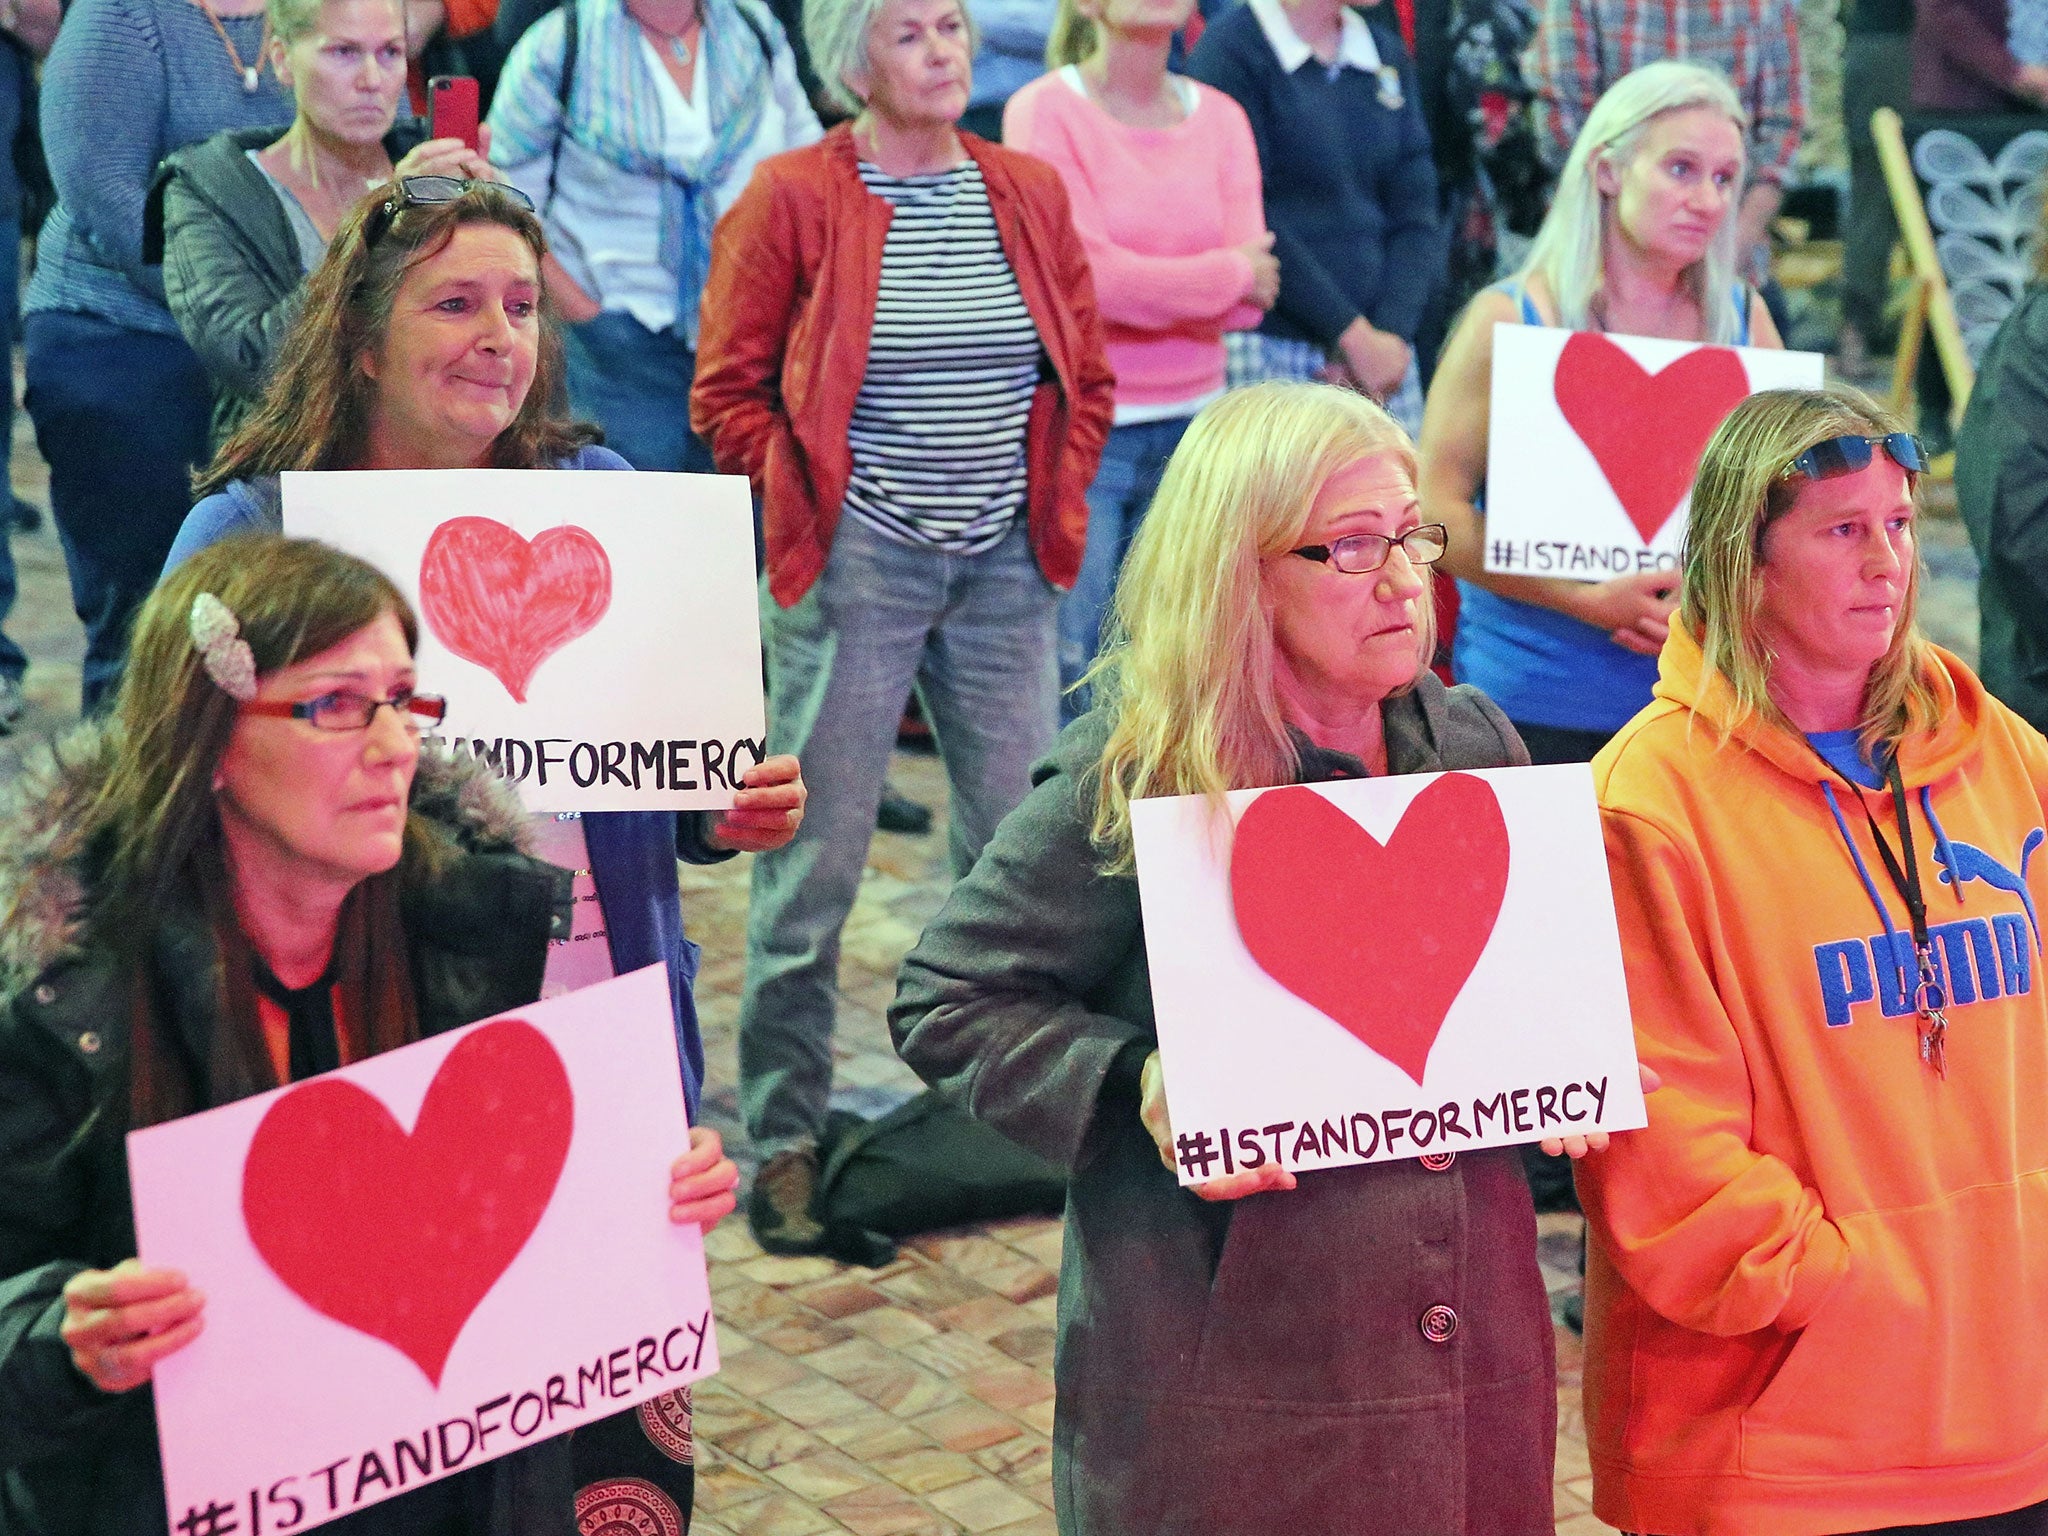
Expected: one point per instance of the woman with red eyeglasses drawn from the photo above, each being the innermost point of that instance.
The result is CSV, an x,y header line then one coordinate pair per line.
x,y
245,876
1814,1299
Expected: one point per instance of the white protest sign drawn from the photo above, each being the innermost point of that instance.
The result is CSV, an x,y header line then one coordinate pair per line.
x,y
1385,968
424,1261
596,634
1595,439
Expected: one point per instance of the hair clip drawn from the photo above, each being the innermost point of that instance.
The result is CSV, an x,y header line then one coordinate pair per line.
x,y
217,637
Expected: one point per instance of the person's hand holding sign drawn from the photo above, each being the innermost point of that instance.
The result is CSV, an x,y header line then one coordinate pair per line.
x,y
119,1322
1232,1186
1594,1141
1635,609
766,813
703,1184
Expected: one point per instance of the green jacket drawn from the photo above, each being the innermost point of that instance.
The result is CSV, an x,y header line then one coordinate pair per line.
x,y
2002,491
1254,1367
75,1460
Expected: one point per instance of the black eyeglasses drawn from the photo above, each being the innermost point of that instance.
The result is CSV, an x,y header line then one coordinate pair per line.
x,y
1360,554
347,711
425,191
1849,455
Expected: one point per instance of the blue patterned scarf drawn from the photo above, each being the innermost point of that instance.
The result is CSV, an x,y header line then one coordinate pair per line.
x,y
616,109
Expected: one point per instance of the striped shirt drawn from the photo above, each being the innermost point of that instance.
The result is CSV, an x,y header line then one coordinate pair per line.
x,y
938,427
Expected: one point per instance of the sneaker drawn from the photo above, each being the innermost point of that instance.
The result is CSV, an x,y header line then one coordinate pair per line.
x,y
12,702
779,1205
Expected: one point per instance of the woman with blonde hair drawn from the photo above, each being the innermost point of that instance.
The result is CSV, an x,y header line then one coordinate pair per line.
x,y
1814,1301
1162,176
1640,241
1248,1356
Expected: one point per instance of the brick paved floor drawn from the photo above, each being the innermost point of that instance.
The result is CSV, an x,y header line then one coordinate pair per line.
x,y
916,1398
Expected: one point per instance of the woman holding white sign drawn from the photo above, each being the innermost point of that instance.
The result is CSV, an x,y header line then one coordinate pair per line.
x,y
1368,1352
1814,1301
425,344
1640,241
250,875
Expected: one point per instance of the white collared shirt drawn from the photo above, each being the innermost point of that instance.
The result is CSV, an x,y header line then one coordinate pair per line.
x,y
1355,46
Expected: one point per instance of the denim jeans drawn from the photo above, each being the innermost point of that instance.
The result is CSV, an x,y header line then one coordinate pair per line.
x,y
635,383
974,635
1132,461
122,417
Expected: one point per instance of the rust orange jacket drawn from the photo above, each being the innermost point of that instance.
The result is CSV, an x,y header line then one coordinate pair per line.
x,y
783,347
1817,1294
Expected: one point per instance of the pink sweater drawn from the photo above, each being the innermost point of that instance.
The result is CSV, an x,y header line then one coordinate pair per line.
x,y
1159,211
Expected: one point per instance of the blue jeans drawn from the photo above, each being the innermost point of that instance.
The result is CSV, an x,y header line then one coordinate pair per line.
x,y
974,635
122,417
635,383
1132,461
13,663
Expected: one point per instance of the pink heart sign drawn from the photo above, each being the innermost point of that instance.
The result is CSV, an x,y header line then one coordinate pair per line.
x,y
508,603
1380,937
402,1236
1646,430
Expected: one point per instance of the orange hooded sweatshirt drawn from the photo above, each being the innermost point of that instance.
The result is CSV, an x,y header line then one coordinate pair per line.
x,y
1817,1292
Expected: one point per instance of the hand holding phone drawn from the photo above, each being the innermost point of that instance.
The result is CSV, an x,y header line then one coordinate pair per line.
x,y
452,109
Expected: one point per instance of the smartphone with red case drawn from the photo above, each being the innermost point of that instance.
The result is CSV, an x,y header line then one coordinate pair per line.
x,y
452,109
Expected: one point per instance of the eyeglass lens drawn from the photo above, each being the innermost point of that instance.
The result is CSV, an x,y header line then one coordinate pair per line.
x,y
1362,553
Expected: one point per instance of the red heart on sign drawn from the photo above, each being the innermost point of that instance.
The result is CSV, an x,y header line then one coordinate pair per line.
x,y
1646,430
508,604
1381,937
401,1237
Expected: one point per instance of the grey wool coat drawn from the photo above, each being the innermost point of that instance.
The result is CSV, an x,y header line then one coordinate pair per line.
x,y
1255,1366
75,1461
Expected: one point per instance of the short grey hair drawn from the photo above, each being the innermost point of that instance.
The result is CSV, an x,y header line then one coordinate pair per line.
x,y
836,33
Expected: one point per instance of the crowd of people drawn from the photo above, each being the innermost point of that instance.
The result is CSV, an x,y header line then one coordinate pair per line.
x,y
1112,379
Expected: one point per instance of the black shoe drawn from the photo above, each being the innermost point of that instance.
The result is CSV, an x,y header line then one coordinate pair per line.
x,y
779,1205
900,815
25,516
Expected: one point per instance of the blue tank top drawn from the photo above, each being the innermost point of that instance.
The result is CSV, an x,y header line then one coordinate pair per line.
x,y
1543,667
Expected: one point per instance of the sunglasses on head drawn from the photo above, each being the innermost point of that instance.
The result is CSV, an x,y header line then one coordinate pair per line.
x,y
1849,455
424,191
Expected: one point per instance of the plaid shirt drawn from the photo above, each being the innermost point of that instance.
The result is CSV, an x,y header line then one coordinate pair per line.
x,y
1584,46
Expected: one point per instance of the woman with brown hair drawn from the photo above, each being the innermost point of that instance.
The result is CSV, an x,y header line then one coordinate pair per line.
x,y
426,343
248,875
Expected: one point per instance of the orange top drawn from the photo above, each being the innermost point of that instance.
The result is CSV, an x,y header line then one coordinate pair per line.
x,y
1816,1295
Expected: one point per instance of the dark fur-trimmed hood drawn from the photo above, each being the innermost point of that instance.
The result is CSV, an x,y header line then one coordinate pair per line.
x,y
42,813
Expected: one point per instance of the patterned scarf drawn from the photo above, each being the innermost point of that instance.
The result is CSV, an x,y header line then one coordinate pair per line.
x,y
616,110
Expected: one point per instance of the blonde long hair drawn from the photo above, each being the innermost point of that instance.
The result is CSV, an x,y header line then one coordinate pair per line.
x,y
1186,669
1567,252
1740,492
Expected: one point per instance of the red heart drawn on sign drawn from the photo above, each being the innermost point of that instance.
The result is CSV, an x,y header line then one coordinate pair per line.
x,y
1646,430
507,603
402,1236
1381,937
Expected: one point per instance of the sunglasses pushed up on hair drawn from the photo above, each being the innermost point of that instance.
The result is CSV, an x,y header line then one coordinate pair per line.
x,y
425,191
1851,455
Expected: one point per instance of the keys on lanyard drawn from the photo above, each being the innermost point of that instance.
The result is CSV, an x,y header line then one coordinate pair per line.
x,y
1929,999
1928,1002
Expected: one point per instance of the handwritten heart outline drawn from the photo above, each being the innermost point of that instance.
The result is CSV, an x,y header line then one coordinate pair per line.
x,y
1378,937
1646,431
508,603
401,1235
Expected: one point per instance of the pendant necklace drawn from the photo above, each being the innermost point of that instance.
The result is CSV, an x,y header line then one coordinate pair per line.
x,y
250,73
